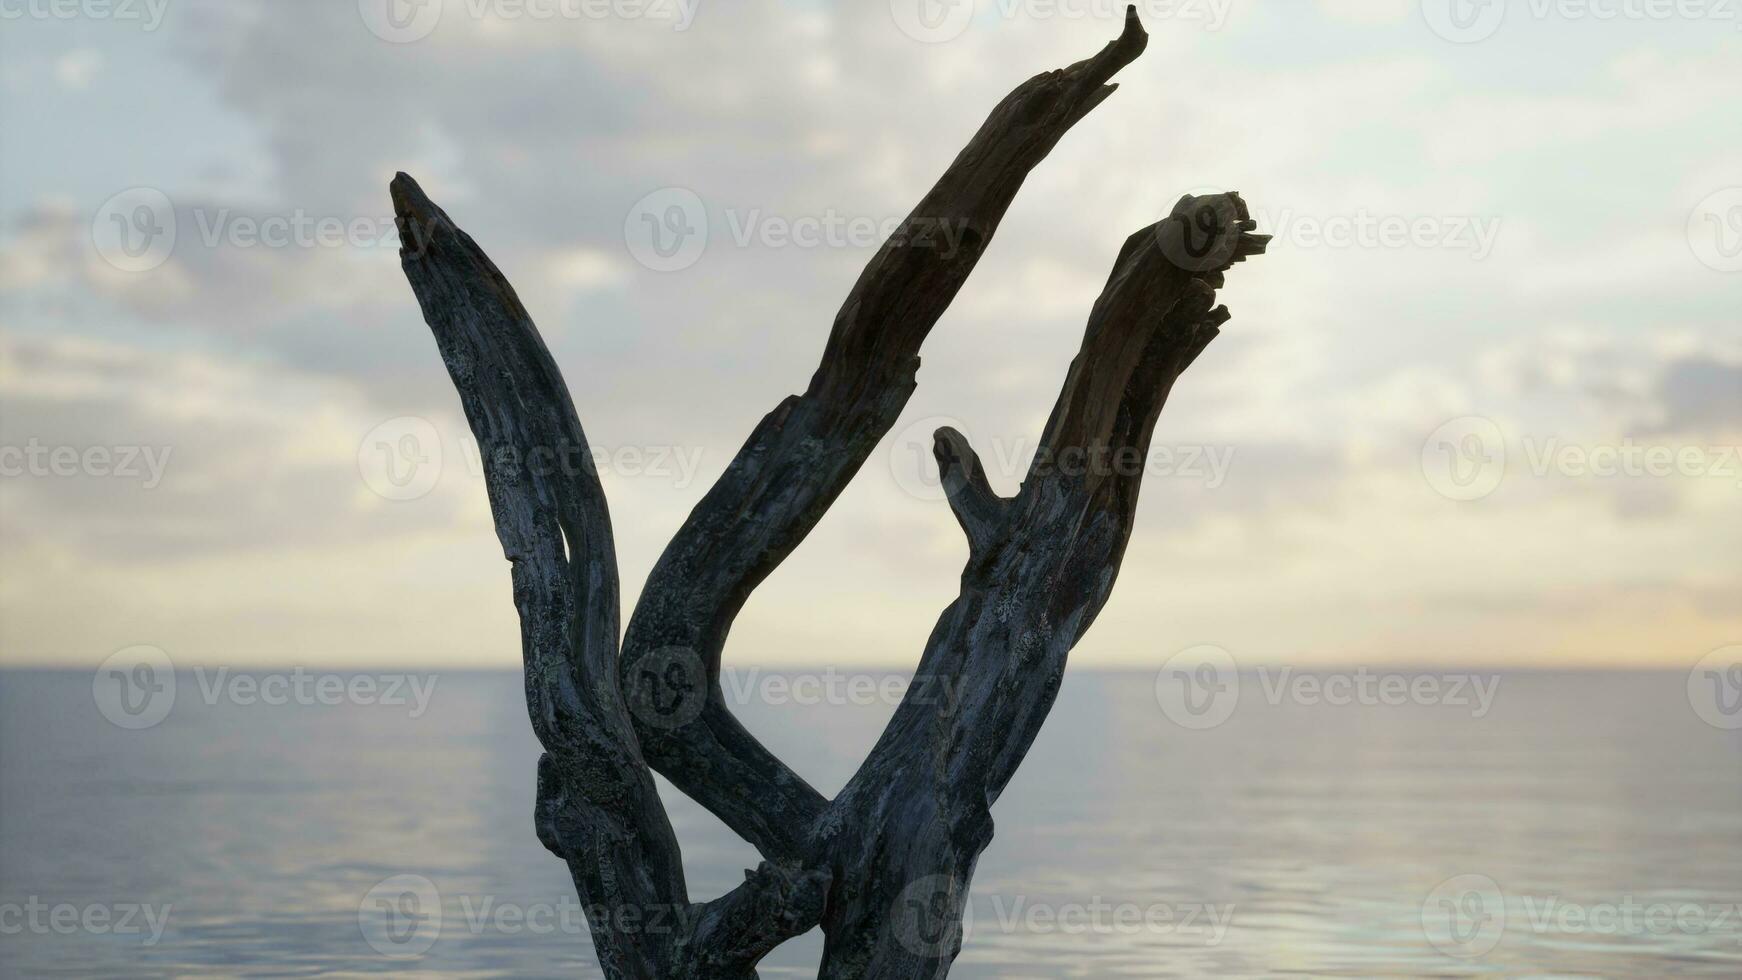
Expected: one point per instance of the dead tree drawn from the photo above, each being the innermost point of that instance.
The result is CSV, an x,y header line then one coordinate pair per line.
x,y
884,867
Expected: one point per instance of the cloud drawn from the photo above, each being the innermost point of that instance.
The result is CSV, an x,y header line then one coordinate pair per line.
x,y
264,365
1700,395
76,68
1367,11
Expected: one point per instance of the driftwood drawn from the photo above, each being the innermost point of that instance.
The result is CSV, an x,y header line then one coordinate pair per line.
x,y
884,867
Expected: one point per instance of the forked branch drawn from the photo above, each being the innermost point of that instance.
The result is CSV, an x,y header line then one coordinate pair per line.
x,y
803,454
885,866
906,831
597,806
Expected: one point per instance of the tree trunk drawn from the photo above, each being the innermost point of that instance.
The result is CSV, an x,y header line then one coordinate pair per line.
x,y
885,867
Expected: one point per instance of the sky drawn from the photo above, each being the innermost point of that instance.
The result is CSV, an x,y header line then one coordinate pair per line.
x,y
1479,405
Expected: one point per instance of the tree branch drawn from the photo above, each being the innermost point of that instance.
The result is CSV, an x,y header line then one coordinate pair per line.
x,y
885,866
597,805
802,455
728,936
978,509
918,812
1152,319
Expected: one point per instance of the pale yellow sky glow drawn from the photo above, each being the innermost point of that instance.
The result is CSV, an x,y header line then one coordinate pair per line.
x,y
1479,405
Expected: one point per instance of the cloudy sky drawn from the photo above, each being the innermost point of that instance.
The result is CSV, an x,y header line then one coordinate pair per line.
x,y
1479,404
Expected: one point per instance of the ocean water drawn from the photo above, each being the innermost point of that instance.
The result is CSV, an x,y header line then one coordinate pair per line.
x,y
1580,824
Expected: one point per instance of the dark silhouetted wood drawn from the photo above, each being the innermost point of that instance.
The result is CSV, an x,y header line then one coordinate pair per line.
x,y
885,866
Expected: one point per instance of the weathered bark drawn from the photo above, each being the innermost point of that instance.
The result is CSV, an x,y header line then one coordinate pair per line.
x,y
597,807
803,453
903,836
885,867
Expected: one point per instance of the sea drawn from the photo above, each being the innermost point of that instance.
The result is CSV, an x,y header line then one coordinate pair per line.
x,y
1281,822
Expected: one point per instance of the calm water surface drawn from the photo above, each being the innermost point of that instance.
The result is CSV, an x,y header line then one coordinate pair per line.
x,y
1589,824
